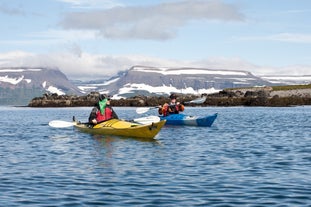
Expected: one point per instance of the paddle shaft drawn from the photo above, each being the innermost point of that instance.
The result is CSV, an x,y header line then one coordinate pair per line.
x,y
65,124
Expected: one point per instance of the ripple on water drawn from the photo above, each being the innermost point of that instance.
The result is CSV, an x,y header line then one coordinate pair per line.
x,y
249,157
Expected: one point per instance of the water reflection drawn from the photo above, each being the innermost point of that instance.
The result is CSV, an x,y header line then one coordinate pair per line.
x,y
113,155
106,141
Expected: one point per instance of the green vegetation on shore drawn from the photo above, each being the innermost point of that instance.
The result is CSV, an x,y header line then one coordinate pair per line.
x,y
291,87
276,88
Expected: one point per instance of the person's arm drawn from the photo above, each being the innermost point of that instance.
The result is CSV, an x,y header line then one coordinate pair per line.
x,y
160,110
165,109
92,116
181,107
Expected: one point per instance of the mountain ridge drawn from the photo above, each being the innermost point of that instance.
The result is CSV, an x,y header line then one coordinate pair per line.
x,y
153,80
18,85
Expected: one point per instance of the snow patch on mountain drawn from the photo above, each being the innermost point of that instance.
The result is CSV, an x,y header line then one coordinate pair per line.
x,y
15,70
288,80
27,80
53,89
134,87
111,81
187,71
13,81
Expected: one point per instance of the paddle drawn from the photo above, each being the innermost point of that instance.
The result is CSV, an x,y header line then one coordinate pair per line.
x,y
147,119
197,100
141,120
142,110
61,124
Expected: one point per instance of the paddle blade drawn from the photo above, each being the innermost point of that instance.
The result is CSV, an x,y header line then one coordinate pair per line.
x,y
147,119
198,100
60,124
142,110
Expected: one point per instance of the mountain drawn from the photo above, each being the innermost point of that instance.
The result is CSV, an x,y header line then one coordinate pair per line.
x,y
19,85
288,80
152,80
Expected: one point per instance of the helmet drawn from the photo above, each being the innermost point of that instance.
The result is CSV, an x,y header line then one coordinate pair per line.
x,y
101,97
173,96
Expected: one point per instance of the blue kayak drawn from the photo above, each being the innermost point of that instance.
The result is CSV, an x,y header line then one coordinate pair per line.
x,y
182,119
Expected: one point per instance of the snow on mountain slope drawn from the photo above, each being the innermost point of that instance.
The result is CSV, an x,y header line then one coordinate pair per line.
x,y
288,80
188,71
152,80
19,85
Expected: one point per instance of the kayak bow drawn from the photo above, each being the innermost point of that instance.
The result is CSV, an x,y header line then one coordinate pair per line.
x,y
182,119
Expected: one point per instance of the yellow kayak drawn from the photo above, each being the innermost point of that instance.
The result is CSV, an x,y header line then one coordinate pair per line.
x,y
122,128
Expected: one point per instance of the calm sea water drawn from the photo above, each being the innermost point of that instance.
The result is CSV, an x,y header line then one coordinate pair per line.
x,y
249,157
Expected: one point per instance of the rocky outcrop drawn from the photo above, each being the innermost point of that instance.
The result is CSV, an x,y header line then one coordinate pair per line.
x,y
54,100
263,96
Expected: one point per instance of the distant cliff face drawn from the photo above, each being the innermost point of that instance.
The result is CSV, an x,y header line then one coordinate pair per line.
x,y
151,80
19,85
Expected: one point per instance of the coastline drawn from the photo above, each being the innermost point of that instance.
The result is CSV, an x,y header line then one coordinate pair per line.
x,y
255,96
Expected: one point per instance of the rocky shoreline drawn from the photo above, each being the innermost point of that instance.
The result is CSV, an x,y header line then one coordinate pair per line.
x,y
261,96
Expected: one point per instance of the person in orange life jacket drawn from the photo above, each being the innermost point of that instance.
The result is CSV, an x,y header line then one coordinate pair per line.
x,y
102,111
172,108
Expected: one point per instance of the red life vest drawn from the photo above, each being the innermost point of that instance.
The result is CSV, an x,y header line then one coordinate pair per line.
x,y
172,109
103,117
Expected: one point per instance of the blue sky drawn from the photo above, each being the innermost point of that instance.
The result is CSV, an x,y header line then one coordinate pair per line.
x,y
89,39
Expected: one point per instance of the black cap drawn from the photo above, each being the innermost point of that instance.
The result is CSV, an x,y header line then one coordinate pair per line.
x,y
103,96
173,96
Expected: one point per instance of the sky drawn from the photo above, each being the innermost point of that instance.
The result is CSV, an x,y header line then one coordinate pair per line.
x,y
92,39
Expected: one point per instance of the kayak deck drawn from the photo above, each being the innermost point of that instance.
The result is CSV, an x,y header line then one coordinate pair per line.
x,y
182,119
122,128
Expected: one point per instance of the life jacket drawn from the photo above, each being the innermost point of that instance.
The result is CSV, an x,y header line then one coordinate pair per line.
x,y
172,109
103,117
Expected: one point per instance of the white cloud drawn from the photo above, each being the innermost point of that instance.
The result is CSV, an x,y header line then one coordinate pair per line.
x,y
72,35
290,37
282,37
85,66
233,63
92,4
51,38
4,9
158,22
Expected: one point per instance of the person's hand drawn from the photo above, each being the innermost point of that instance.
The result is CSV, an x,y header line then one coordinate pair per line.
x,y
160,106
94,121
177,103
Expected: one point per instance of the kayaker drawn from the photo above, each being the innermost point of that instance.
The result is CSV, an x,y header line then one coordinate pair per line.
x,y
172,108
102,110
